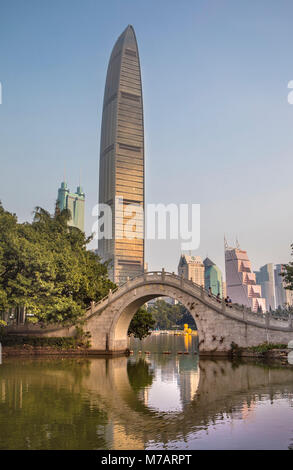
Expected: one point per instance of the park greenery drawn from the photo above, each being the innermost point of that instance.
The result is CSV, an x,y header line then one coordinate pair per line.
x,y
141,324
47,272
169,316
288,273
261,349
79,340
46,269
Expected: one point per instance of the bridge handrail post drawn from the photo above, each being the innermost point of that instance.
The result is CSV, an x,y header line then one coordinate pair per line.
x,y
244,313
163,274
181,280
223,305
268,319
202,292
290,320
92,306
110,295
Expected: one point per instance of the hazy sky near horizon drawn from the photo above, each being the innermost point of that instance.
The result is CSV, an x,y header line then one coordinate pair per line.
x,y
218,126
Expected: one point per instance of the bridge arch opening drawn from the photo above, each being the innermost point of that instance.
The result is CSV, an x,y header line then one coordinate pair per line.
x,y
118,339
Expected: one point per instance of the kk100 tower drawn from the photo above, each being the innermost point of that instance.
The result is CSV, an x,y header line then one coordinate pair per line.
x,y
122,158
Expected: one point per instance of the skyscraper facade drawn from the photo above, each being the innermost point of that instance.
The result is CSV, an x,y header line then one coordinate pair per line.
x,y
192,268
265,277
74,202
241,281
213,277
122,159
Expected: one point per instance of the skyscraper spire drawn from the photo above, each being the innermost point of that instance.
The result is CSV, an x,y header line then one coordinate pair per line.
x,y
225,243
237,243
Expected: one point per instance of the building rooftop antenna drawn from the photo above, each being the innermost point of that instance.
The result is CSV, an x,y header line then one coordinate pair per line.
x,y
237,243
225,243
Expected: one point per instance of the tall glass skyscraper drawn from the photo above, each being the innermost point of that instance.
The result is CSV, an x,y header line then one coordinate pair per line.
x,y
212,277
122,159
74,202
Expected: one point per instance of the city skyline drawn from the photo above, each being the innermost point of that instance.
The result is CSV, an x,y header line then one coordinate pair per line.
x,y
222,128
146,228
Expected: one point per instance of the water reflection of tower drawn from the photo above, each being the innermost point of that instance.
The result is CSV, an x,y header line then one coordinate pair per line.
x,y
188,379
170,371
247,409
124,439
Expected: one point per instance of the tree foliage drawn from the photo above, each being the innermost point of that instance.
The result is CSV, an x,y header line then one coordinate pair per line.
x,y
46,268
141,324
288,273
168,316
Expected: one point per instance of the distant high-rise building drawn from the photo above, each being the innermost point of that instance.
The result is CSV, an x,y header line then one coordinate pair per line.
x,y
74,202
284,297
213,277
265,277
224,289
241,282
122,158
192,267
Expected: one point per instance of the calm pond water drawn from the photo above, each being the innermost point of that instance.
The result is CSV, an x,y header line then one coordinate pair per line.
x,y
146,401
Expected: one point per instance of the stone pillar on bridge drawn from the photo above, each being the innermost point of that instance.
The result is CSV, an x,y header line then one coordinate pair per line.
x,y
223,305
268,319
110,295
163,275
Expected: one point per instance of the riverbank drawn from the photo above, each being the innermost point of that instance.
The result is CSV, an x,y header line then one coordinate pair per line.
x,y
28,351
80,345
271,355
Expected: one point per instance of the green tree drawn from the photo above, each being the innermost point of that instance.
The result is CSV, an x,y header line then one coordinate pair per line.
x,y
140,374
168,316
141,324
288,273
47,269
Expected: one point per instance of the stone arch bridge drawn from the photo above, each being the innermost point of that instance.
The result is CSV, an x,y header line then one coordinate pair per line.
x,y
218,324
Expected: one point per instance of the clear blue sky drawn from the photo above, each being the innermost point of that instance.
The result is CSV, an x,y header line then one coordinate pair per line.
x,y
217,122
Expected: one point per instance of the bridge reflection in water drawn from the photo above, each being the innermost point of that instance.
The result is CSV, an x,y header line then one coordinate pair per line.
x,y
135,403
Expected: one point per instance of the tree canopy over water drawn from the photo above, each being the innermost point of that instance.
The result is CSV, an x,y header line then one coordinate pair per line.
x,y
46,269
168,316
